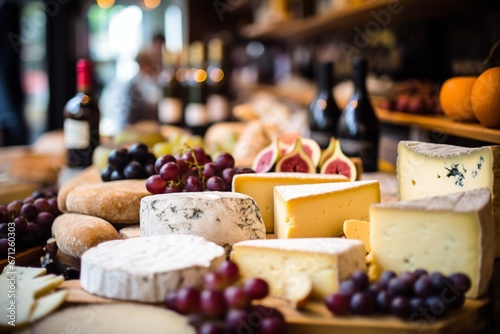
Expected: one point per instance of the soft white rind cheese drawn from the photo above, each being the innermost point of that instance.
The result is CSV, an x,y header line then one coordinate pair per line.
x,y
449,234
145,269
221,217
282,262
426,169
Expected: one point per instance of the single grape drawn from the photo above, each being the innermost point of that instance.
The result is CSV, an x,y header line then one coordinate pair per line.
x,y
188,300
116,175
245,170
423,287
362,303
386,277
170,300
215,281
409,277
236,319
436,306
440,282
4,247
384,301
188,157
150,169
375,288
172,188
417,304
236,297
163,160
193,183
35,231
14,208
4,214
210,169
224,160
29,211
54,208
338,303
401,307
212,303
42,205
134,170
44,220
4,228
400,287
348,288
183,166
106,173
118,158
20,224
200,155
230,271
139,152
272,326
228,174
170,171
155,184
420,272
38,194
461,282
29,200
212,327
256,288
216,183
360,278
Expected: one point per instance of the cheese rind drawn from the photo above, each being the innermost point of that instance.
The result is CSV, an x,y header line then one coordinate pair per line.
x,y
426,169
221,217
358,230
449,233
282,262
145,269
260,186
319,210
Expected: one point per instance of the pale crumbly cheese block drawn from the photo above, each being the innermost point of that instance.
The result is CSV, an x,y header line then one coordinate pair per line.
x,y
145,269
319,210
449,233
358,230
260,186
283,262
114,319
222,217
426,169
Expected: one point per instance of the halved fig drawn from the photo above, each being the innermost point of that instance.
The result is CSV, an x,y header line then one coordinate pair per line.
x,y
296,160
339,163
266,159
328,152
311,148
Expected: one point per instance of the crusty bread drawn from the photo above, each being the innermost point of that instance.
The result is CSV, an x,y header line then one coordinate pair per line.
x,y
75,233
115,201
89,175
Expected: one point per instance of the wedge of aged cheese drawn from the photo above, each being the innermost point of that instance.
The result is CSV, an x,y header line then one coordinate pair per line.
x,y
260,186
358,230
449,233
425,169
221,217
114,319
284,262
145,269
319,210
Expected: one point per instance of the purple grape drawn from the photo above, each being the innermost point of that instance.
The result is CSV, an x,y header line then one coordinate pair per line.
x,y
170,171
420,272
29,200
4,247
118,158
401,307
200,155
215,281
172,188
400,287
384,301
183,166
170,300
188,157
44,220
386,277
423,287
229,271
409,277
272,326
163,160
193,184
211,327
134,170
116,175
224,160
236,297
196,319
245,170
54,208
4,214
14,208
106,173
20,224
42,205
439,282
461,282
4,227
150,170
155,184
348,288
338,303
360,278
139,152
436,306
210,169
228,174
236,319
29,211
212,303
417,304
35,231
216,183
256,288
188,300
362,303
375,288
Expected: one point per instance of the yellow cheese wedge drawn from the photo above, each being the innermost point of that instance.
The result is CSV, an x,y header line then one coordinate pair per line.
x,y
260,187
319,210
448,234
359,230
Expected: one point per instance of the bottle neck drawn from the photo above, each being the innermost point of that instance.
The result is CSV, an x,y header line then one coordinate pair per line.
x,y
83,76
359,76
325,77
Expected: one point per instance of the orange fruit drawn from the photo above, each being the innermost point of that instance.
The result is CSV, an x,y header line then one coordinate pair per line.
x,y
485,98
455,98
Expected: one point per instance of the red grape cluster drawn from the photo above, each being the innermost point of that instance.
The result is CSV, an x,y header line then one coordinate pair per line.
x,y
135,162
193,170
410,296
26,223
226,307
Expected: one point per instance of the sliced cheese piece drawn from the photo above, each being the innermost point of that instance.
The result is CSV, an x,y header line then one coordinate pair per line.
x,y
359,230
114,319
425,169
449,233
221,217
319,210
145,269
282,262
260,186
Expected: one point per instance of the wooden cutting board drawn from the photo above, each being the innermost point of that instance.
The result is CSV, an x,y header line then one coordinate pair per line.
x,y
314,318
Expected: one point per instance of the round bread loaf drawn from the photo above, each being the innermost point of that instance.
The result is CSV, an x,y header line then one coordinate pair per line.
x,y
115,201
75,233
89,175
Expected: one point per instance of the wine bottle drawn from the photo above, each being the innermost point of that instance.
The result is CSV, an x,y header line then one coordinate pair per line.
x,y
81,120
324,112
170,109
217,100
196,113
359,129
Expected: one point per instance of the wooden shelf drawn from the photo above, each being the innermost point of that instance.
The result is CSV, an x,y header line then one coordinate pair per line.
x,y
358,16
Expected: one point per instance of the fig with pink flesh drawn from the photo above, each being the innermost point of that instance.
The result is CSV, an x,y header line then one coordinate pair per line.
x,y
296,160
266,159
311,148
328,152
339,163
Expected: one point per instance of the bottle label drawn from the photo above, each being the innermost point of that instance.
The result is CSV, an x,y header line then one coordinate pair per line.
x,y
170,110
218,107
196,114
76,134
366,150
322,138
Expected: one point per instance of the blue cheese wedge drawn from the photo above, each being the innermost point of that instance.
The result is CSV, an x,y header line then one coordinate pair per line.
x,y
145,269
449,234
221,217
425,169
